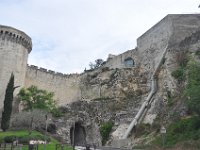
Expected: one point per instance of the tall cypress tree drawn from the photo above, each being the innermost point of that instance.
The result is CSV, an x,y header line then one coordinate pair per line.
x,y
7,110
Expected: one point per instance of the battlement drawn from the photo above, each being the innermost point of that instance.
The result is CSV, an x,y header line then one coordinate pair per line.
x,y
17,36
53,72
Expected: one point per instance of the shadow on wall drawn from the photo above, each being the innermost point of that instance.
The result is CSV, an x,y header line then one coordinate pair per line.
x,y
77,135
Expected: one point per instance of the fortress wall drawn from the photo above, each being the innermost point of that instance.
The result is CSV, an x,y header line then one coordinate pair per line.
x,y
118,60
65,87
14,48
183,26
89,92
152,43
168,32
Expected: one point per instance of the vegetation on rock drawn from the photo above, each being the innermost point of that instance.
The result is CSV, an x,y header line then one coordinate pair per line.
x,y
182,130
98,63
193,87
105,130
179,74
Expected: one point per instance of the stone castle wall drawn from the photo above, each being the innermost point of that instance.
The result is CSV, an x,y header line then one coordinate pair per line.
x,y
150,47
14,48
152,44
65,87
117,61
167,33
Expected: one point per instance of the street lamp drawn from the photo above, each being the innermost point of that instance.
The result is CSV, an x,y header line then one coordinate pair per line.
x,y
163,132
45,140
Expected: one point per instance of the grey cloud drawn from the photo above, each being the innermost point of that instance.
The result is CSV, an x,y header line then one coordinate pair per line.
x,y
68,34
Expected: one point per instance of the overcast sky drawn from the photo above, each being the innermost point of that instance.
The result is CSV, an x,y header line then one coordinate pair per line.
x,y
68,34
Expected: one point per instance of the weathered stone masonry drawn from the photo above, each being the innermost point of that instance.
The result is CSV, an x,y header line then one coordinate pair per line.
x,y
15,46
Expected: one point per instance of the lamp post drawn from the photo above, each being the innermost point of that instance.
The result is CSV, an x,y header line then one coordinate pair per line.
x,y
46,117
163,132
73,136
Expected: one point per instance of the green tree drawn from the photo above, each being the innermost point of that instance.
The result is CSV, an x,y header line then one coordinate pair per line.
x,y
98,63
7,110
34,98
192,90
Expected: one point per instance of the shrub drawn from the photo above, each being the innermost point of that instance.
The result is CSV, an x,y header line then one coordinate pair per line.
x,y
9,139
56,113
105,69
192,89
143,129
182,59
197,53
182,130
179,74
105,130
51,128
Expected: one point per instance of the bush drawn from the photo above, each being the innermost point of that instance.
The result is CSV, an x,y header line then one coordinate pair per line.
x,y
105,69
197,53
10,139
143,129
192,89
56,113
179,74
182,130
51,128
105,130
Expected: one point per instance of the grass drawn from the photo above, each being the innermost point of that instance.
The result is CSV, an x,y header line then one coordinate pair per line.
x,y
24,133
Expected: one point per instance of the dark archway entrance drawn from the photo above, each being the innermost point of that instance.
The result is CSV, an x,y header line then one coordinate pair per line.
x,y
78,135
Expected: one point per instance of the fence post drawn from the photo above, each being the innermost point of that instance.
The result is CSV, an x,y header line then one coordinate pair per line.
x,y
20,147
62,147
4,146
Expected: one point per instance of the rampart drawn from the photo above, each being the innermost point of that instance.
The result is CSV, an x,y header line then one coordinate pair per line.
x,y
66,87
118,61
165,34
16,36
14,48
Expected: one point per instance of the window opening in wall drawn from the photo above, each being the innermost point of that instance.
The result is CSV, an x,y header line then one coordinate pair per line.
x,y
129,62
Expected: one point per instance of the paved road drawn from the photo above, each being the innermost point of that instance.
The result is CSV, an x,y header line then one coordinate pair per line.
x,y
99,148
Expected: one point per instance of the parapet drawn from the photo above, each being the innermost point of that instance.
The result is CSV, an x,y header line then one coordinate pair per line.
x,y
15,35
36,68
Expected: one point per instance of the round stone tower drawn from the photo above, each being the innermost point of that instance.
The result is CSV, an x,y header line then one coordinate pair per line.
x,y
15,46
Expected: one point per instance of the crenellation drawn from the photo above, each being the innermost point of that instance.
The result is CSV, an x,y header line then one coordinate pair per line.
x,y
43,69
53,73
171,30
14,54
32,67
65,86
59,74
50,71
14,35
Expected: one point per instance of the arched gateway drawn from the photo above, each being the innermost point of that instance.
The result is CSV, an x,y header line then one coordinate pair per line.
x,y
78,135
